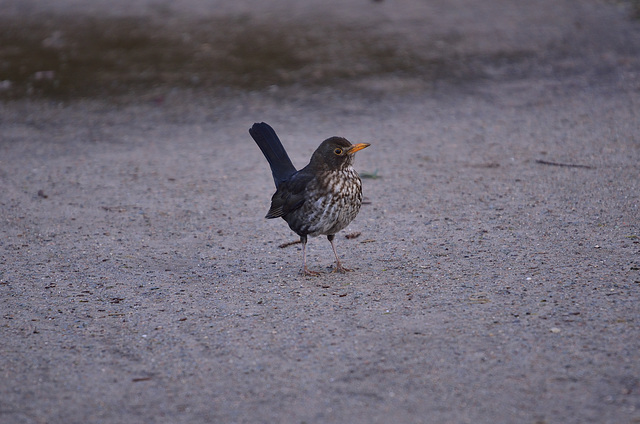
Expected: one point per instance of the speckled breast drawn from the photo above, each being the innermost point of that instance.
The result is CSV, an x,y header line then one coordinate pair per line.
x,y
333,201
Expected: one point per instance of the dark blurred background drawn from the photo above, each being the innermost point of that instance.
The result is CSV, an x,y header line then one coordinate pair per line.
x,y
70,49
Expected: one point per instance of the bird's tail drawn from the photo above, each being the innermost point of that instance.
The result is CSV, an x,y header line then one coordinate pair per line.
x,y
266,138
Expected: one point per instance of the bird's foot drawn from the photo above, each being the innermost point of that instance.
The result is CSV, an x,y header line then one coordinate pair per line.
x,y
342,270
308,273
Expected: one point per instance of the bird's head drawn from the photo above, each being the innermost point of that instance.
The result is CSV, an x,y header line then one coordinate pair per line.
x,y
335,153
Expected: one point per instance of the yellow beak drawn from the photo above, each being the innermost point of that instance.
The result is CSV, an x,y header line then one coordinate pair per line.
x,y
357,147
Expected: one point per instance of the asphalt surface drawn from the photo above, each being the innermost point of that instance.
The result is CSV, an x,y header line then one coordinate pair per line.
x,y
496,258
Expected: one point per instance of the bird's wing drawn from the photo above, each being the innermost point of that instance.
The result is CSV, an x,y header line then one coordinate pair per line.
x,y
289,196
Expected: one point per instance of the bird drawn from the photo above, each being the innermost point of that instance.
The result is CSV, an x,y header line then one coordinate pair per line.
x,y
320,199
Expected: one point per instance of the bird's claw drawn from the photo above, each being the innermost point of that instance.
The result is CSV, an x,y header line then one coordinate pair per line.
x,y
342,270
308,273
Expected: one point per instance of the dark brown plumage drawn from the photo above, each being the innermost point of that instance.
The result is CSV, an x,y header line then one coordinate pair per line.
x,y
320,199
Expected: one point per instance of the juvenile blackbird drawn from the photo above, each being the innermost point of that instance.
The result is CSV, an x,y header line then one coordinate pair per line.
x,y
321,198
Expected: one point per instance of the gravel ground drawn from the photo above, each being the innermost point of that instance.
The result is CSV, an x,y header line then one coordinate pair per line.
x,y
497,257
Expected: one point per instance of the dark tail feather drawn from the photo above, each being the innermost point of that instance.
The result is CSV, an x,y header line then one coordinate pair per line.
x,y
266,138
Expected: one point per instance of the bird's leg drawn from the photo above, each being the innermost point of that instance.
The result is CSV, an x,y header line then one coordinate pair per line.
x,y
305,270
339,267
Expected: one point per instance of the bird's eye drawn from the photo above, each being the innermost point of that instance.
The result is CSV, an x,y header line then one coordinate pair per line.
x,y
338,151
